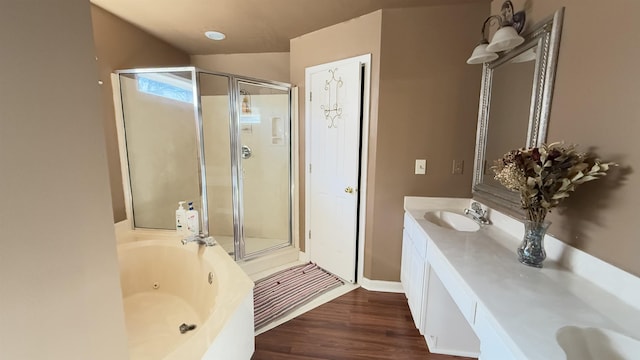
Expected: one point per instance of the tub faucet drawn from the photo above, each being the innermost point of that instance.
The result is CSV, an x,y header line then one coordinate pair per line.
x,y
200,239
477,214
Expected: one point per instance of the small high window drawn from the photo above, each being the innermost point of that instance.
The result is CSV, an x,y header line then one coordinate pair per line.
x,y
166,85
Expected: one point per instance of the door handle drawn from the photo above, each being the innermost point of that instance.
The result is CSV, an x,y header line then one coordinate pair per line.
x,y
246,152
349,190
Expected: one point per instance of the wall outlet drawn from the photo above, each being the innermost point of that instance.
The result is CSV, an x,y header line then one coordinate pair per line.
x,y
458,167
421,166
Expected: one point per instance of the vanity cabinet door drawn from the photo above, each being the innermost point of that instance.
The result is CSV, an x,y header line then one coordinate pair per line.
x,y
412,269
406,261
417,288
410,277
405,264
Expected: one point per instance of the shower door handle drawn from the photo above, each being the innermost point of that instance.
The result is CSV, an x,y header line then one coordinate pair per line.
x,y
246,152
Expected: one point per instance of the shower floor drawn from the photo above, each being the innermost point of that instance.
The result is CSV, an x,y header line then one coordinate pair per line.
x,y
251,245
153,320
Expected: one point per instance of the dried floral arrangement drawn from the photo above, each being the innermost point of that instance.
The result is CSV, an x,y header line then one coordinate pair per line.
x,y
546,175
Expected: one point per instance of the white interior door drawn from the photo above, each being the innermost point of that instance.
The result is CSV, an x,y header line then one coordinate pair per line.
x,y
333,161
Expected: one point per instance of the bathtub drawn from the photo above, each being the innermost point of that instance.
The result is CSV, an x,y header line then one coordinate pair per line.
x,y
166,284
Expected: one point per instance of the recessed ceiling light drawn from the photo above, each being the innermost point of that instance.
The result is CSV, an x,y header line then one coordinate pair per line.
x,y
215,35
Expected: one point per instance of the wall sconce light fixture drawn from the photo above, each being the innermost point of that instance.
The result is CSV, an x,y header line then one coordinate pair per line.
x,y
506,38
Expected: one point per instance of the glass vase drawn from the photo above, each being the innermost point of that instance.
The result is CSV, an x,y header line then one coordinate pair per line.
x,y
531,250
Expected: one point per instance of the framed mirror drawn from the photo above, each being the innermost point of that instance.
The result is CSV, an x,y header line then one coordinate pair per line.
x,y
515,100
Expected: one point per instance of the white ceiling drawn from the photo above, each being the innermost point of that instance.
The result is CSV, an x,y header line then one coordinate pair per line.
x,y
251,26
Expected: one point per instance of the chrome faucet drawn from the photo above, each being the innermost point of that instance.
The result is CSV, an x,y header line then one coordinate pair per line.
x,y
200,239
477,213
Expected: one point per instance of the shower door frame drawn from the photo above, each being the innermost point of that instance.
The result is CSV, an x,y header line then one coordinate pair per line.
x,y
235,151
236,167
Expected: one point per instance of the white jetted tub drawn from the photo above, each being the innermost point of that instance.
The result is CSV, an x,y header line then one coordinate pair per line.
x,y
166,284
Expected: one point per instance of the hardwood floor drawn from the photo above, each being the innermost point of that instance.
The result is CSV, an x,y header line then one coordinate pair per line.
x,y
356,326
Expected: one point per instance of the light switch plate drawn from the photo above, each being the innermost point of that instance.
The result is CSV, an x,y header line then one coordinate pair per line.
x,y
421,166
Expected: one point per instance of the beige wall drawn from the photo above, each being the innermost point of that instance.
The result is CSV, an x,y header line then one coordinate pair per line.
x,y
427,110
595,105
423,105
120,45
348,39
60,296
266,66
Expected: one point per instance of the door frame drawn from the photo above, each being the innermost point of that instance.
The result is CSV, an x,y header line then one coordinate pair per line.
x,y
365,61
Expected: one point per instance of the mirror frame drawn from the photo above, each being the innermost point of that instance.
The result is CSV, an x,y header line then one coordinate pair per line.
x,y
545,36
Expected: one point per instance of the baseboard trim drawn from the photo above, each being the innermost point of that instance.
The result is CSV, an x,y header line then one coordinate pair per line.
x,y
381,285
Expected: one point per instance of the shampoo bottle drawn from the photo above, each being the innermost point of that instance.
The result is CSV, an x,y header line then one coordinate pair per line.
x,y
181,217
193,222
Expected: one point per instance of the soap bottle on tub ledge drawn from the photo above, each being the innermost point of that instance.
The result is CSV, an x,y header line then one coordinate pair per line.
x,y
193,221
181,217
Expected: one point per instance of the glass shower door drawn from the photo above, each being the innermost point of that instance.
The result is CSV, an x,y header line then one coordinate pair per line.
x,y
264,165
216,119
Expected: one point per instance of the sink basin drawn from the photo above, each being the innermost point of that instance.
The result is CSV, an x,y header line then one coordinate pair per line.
x,y
451,220
594,343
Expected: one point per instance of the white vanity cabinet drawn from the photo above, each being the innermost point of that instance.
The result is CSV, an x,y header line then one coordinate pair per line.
x,y
412,271
446,329
478,300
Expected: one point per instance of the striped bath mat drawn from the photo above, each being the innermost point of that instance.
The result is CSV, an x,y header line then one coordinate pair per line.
x,y
283,291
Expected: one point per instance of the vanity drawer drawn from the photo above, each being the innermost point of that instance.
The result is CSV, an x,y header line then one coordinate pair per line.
x,y
407,220
417,236
461,296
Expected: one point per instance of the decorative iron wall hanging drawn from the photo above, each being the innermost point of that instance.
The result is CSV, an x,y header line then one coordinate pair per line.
x,y
332,111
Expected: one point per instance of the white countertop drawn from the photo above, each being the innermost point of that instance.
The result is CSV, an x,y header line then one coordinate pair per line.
x,y
528,305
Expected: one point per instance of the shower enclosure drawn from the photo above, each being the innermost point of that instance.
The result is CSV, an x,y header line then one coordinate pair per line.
x,y
218,140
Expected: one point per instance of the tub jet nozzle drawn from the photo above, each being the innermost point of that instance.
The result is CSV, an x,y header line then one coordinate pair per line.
x,y
184,328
